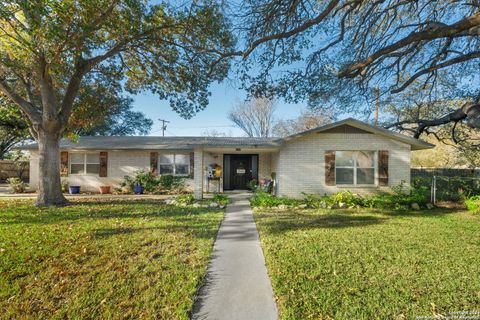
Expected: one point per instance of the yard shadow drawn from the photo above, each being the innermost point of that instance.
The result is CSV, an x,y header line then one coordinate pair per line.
x,y
92,210
437,212
283,223
198,230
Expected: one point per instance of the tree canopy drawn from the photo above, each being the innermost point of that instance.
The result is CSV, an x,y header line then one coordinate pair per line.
x,y
48,48
333,53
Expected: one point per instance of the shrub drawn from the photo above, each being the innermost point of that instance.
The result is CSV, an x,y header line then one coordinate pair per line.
x,y
127,184
253,185
64,184
398,198
263,199
145,179
169,182
220,199
17,185
152,183
346,197
473,204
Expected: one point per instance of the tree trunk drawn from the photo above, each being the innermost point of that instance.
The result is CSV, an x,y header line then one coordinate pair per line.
x,y
49,187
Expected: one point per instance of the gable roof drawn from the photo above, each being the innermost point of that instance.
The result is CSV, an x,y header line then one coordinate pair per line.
x,y
415,144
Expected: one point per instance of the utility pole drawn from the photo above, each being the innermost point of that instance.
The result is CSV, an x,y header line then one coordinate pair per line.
x,y
164,126
377,105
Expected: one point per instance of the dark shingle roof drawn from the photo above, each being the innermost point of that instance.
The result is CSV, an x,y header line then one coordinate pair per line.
x,y
187,143
154,143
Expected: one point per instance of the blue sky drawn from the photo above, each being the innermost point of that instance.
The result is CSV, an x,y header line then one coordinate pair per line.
x,y
224,96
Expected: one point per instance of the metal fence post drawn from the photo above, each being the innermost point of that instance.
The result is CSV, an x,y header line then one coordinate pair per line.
x,y
434,189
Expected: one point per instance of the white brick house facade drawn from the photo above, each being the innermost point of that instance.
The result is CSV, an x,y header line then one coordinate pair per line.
x,y
299,161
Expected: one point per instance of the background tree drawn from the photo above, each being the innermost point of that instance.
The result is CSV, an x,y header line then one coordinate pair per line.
x,y
307,120
255,117
99,109
13,127
333,53
48,48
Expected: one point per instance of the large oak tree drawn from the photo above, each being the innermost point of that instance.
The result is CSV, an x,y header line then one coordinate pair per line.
x,y
336,51
47,47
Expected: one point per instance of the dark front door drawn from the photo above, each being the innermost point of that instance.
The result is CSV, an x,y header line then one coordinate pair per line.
x,y
239,170
242,172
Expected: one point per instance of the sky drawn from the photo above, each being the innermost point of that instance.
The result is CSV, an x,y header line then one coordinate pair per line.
x,y
224,96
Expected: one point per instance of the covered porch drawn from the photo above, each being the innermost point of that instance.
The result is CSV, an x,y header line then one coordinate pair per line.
x,y
231,169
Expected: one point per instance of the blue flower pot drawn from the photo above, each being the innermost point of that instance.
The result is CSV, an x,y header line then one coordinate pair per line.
x,y
138,189
74,189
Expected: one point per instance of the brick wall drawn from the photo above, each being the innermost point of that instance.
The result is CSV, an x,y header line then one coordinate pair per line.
x,y
301,162
120,164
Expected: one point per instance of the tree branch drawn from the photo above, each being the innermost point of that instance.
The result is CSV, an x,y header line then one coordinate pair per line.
x,y
286,34
437,31
463,58
30,110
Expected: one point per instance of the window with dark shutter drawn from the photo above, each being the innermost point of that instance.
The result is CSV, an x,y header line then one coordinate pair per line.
x,y
154,163
330,168
64,163
103,164
383,168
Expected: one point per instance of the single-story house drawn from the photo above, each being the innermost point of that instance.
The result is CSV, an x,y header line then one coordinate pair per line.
x,y
345,155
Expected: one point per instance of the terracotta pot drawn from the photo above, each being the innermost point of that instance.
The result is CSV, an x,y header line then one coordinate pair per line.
x,y
104,189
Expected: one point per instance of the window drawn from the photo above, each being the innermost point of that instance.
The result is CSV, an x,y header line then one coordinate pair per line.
x,y
355,167
84,163
176,164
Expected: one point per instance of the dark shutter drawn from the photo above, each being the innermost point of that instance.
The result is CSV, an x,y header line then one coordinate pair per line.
x,y
330,168
383,168
192,162
64,163
154,163
103,164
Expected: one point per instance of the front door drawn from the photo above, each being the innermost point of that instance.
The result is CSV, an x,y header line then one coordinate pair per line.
x,y
242,171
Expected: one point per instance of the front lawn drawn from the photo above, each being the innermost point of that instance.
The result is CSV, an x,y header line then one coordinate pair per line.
x,y
337,264
103,260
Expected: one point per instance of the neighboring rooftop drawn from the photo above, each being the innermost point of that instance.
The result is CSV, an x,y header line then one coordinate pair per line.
x,y
159,143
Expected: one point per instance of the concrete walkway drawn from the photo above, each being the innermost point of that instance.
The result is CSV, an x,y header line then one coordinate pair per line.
x,y
237,285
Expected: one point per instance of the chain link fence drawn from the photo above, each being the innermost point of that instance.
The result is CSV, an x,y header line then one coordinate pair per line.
x,y
447,184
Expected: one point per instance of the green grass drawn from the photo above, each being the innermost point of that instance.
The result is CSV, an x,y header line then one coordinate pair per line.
x,y
366,265
103,260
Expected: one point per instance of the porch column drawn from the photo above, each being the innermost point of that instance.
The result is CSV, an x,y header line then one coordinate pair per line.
x,y
198,173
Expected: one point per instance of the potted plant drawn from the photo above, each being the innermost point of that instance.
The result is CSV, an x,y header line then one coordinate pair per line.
x,y
104,189
74,189
138,188
64,184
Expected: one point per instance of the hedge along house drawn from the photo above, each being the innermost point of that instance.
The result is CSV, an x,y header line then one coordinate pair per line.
x,y
346,155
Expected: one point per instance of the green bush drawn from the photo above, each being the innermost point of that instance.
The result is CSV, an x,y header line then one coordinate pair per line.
x,y
221,199
397,199
346,197
152,183
473,204
145,179
17,185
263,199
